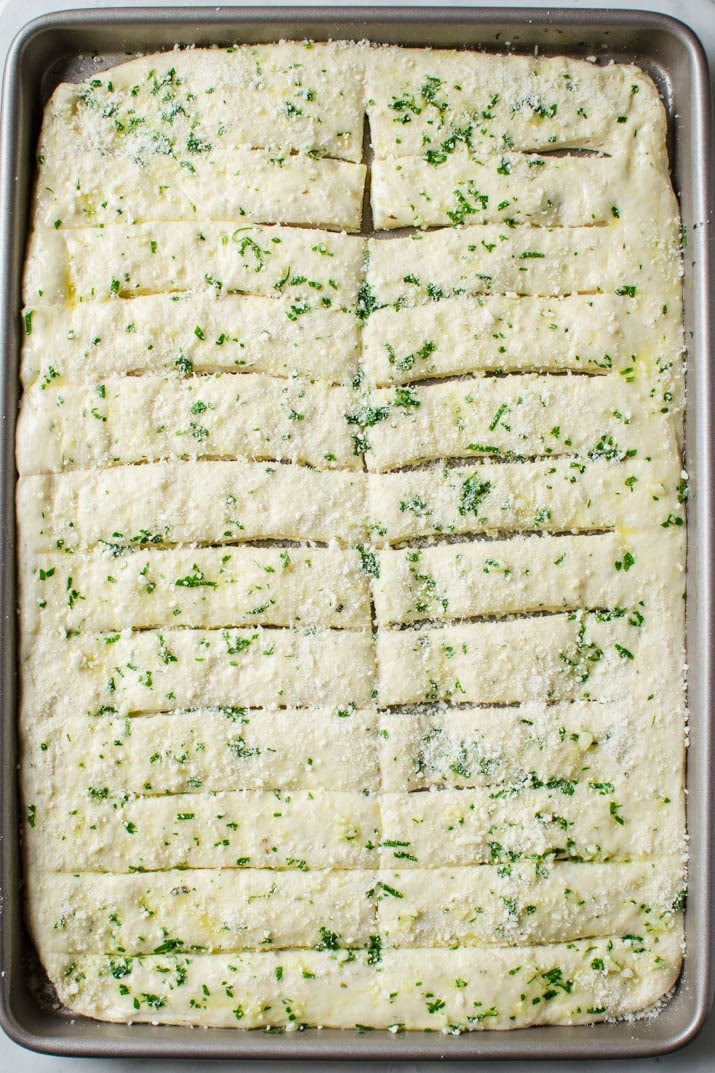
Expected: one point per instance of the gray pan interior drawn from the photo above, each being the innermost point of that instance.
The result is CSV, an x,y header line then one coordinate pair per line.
x,y
60,46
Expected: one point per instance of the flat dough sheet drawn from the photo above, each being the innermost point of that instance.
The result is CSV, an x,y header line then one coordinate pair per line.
x,y
352,563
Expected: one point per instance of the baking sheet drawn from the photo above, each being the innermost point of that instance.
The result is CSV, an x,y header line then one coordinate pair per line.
x,y
62,46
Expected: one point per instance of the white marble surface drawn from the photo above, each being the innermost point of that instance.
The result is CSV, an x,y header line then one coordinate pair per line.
x,y
699,1056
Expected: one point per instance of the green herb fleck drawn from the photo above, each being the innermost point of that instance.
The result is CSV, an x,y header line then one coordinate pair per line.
x,y
473,492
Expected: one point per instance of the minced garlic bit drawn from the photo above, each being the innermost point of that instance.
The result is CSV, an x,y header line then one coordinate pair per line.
x,y
351,570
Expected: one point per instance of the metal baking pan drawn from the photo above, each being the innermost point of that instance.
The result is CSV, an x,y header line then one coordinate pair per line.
x,y
58,46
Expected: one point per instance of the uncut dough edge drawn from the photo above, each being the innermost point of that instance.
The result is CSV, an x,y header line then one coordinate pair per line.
x,y
574,983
